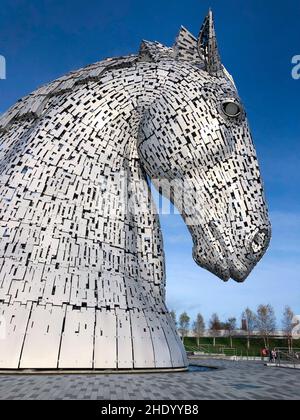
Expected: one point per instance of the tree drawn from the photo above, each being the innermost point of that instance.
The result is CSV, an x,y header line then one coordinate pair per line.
x,y
288,325
174,317
250,323
215,327
199,328
266,322
184,325
230,327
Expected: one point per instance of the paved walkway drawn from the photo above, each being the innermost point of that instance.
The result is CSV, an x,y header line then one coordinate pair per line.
x,y
233,380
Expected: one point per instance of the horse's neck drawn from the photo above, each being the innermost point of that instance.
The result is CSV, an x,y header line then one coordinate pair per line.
x,y
133,233
69,210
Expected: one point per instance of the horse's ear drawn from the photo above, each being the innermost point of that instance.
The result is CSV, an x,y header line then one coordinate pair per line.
x,y
186,46
207,46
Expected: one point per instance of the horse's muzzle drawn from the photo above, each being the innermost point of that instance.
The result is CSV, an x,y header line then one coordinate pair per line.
x,y
237,264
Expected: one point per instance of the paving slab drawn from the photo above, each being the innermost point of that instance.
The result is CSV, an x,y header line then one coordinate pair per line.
x,y
231,381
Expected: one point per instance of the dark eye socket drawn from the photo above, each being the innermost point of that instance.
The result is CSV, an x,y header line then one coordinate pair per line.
x,y
232,109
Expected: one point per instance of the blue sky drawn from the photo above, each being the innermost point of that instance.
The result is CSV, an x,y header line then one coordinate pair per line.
x,y
42,40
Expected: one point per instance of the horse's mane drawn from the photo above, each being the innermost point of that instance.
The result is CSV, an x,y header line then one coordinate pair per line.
x,y
33,105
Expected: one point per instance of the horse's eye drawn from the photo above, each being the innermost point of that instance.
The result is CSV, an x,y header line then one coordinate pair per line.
x,y
231,109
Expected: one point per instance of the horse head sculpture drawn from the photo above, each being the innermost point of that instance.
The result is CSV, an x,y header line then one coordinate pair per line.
x,y
82,274
196,134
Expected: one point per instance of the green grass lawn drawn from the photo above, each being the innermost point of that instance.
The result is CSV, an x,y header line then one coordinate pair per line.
x,y
239,344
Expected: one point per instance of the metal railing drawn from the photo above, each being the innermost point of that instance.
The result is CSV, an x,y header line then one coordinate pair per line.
x,y
286,356
209,349
222,350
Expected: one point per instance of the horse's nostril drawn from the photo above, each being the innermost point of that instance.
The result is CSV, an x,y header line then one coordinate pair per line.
x,y
260,241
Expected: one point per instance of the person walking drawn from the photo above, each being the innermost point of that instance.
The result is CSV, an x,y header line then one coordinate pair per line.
x,y
270,355
264,354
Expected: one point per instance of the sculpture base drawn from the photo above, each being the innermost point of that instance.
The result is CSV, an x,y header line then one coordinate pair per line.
x,y
29,372
64,338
